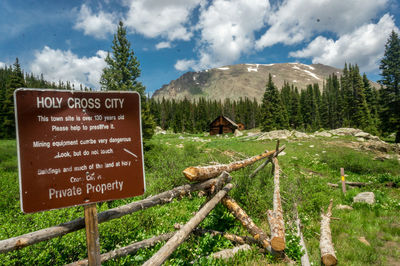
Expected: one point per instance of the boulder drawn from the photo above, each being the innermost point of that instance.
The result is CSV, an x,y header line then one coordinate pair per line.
x,y
344,131
238,133
158,130
275,134
299,135
365,197
323,134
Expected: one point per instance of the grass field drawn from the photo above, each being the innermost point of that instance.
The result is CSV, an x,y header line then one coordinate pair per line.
x,y
307,167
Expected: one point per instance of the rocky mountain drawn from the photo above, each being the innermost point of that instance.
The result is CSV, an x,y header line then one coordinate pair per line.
x,y
243,80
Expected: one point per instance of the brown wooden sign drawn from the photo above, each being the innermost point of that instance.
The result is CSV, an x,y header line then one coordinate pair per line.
x,y
77,147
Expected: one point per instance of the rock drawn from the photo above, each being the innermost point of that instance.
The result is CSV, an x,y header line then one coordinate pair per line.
x,y
206,134
323,134
275,134
299,135
377,146
180,137
238,133
361,139
282,153
362,135
343,207
311,146
364,241
158,130
365,197
180,146
344,131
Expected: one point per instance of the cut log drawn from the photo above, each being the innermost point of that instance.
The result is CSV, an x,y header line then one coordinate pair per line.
x,y
198,173
241,240
328,256
267,161
305,261
79,223
275,216
181,235
128,250
247,222
229,253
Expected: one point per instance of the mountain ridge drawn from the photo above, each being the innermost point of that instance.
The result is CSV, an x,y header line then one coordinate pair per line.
x,y
243,80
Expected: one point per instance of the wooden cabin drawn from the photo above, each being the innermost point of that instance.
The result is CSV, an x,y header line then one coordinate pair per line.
x,y
222,125
240,126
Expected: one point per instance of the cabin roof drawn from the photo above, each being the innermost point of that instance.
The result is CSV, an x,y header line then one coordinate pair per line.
x,y
229,120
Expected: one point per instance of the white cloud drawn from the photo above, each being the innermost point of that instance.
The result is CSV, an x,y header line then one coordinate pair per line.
x,y
364,46
227,31
163,45
183,65
2,65
66,66
298,20
97,25
160,18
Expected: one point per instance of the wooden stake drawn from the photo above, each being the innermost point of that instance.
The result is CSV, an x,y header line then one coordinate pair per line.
x,y
328,256
92,234
181,235
343,180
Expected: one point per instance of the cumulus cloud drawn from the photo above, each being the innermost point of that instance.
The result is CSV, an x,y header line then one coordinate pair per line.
x,y
184,64
2,65
364,46
97,25
66,66
160,18
298,20
227,31
163,45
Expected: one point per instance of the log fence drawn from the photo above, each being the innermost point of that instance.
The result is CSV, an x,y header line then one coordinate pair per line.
x,y
215,180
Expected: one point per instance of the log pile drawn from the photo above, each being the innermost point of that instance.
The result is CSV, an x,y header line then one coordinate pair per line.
x,y
328,256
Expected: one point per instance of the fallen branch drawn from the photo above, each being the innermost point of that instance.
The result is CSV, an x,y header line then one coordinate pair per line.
x,y
352,184
328,256
79,223
229,253
127,250
275,216
198,173
180,236
247,222
305,261
267,161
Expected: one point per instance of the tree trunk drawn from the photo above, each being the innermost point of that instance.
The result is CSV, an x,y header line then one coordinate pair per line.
x,y
328,256
79,223
247,222
266,162
305,261
275,217
198,173
181,235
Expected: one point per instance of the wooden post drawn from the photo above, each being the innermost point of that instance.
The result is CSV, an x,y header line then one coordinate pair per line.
x,y
343,180
92,234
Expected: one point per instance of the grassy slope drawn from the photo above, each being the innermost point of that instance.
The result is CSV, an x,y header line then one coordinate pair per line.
x,y
307,167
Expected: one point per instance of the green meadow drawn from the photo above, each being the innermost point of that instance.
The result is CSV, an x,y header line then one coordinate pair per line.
x,y
307,166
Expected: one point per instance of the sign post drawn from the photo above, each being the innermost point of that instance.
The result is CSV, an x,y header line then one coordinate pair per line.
x,y
78,148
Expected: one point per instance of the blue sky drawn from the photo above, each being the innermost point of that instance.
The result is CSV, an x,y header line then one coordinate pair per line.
x,y
68,40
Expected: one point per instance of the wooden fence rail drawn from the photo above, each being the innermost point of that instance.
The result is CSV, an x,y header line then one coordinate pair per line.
x,y
79,223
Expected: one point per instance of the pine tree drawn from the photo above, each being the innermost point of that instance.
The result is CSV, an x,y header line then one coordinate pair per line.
x,y
273,111
121,74
16,81
390,93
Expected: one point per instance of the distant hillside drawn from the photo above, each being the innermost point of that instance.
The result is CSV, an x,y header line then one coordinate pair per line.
x,y
243,80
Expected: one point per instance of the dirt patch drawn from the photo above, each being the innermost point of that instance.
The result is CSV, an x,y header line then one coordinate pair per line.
x,y
393,249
